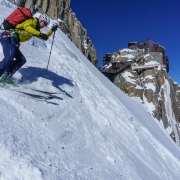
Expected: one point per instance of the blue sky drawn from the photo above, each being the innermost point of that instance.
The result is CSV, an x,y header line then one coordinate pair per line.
x,y
112,24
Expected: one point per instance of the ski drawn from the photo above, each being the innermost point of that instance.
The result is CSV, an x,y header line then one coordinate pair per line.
x,y
38,94
45,92
34,95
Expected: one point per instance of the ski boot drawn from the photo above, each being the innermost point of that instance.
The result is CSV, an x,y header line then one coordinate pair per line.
x,y
2,84
8,80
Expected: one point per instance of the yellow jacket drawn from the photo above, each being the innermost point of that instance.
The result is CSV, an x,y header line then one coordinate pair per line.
x,y
28,28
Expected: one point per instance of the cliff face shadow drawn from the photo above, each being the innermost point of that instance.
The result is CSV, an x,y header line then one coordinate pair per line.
x,y
31,74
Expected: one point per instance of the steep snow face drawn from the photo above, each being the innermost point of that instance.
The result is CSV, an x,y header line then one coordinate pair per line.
x,y
92,131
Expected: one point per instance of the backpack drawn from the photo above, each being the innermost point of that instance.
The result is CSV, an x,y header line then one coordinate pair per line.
x,y
17,16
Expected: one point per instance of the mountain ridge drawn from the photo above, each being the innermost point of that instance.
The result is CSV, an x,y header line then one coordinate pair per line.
x,y
143,75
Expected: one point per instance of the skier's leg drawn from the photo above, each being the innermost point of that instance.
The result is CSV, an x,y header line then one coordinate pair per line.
x,y
9,50
18,63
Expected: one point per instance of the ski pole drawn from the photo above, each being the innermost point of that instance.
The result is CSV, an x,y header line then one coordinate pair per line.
x,y
50,52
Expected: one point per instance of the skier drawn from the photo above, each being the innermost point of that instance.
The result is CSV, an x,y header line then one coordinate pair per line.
x,y
10,41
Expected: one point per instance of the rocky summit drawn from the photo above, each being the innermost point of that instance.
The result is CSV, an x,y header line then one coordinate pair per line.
x,y
143,73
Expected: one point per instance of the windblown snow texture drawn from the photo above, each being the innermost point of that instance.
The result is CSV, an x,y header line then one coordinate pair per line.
x,y
95,132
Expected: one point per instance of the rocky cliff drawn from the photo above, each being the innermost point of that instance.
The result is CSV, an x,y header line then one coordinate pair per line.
x,y
147,80
70,25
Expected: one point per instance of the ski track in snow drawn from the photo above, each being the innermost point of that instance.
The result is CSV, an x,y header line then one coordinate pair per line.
x,y
94,132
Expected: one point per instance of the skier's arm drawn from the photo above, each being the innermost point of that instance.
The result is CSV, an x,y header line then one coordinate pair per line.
x,y
48,33
29,26
37,33
31,30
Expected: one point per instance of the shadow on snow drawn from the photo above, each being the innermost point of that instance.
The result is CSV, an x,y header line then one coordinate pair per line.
x,y
31,74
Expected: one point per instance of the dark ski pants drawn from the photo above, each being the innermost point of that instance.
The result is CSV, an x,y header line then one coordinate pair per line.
x,y
13,58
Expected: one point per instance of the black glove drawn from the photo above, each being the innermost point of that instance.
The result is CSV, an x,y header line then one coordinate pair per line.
x,y
44,36
54,27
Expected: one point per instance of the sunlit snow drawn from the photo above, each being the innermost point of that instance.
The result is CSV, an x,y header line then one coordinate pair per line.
x,y
93,131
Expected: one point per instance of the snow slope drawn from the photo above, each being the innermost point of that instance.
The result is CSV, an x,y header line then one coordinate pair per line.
x,y
93,131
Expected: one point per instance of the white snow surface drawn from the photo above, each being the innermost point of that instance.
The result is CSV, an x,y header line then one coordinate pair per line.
x,y
127,50
93,131
128,76
130,56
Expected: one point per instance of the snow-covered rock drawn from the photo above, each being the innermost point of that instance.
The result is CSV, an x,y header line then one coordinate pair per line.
x,y
155,89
